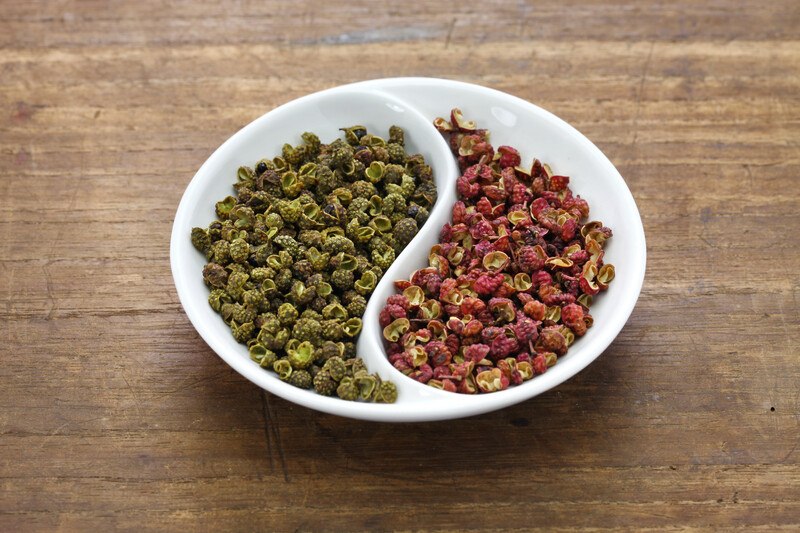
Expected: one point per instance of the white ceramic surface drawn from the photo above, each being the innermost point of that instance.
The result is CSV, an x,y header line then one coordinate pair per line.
x,y
413,103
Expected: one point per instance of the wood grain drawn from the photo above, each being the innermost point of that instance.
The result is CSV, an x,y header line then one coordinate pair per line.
x,y
115,414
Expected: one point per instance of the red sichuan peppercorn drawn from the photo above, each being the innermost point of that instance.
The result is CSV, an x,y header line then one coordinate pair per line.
x,y
509,285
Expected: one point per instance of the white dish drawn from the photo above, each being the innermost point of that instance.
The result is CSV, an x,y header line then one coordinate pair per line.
x,y
413,103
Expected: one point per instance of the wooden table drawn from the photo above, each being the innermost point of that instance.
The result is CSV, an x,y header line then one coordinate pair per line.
x,y
115,414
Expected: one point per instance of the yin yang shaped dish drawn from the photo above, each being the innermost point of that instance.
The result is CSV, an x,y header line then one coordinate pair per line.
x,y
413,103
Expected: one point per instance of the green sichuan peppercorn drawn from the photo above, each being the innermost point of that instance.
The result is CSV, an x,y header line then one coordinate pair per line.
x,y
296,253
301,379
336,368
342,279
386,392
347,390
287,314
324,384
307,329
201,239
357,306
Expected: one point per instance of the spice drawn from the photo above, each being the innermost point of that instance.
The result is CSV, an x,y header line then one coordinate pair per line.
x,y
509,286
294,256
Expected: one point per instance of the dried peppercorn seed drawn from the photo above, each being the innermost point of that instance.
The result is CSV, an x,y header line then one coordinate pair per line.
x,y
296,253
509,285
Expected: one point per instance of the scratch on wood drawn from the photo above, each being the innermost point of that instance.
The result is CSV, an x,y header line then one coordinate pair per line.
x,y
705,240
191,384
787,339
640,92
449,33
51,299
136,400
272,429
52,434
750,178
9,295
790,452
705,217
784,324
523,12
351,466
267,435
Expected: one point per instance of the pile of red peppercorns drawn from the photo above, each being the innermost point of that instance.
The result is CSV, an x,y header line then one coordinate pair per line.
x,y
509,286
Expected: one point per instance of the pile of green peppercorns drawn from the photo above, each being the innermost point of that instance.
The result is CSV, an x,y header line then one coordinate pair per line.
x,y
296,253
